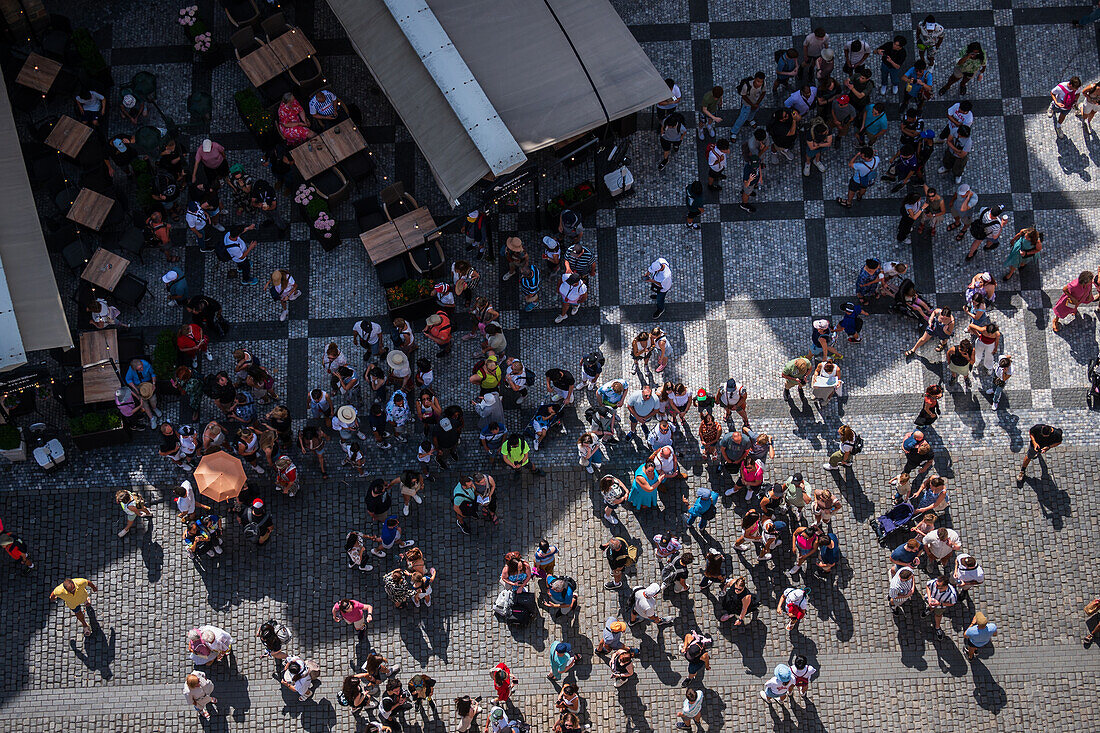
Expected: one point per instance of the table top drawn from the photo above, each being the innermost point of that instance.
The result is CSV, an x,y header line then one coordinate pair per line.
x,y
68,136
100,382
396,237
344,140
292,48
313,157
105,269
38,73
90,208
261,66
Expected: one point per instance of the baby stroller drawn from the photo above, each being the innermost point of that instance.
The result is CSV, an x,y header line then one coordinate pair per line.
x,y
1092,399
902,305
899,517
547,418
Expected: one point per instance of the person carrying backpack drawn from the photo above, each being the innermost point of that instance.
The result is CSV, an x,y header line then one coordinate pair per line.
x,y
695,651
865,169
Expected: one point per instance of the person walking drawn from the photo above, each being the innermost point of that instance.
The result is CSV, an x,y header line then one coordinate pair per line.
x,y
779,686
691,710
1063,98
671,136
1043,437
659,277
864,165
956,152
198,691
573,291
960,360
972,61
708,112
517,454
644,607
562,660
941,325
751,90
903,583
1077,292
355,613
619,557
940,596
1025,249
979,634
73,592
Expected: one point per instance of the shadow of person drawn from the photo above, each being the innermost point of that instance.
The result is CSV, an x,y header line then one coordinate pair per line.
x,y
805,714
852,490
911,640
99,651
1071,160
1010,423
987,692
1081,339
232,692
652,653
1054,503
750,641
152,555
634,710
950,658
713,710
319,717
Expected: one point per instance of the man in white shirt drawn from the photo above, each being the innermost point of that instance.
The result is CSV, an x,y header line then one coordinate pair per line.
x,y
346,424
239,250
942,544
960,113
855,54
968,573
902,585
659,276
957,152
645,605
368,335
573,292
717,155
940,595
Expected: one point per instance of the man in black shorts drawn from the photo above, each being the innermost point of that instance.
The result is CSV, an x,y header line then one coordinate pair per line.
x,y
1043,438
618,557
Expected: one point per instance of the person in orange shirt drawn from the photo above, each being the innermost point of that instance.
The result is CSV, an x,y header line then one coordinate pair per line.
x,y
438,329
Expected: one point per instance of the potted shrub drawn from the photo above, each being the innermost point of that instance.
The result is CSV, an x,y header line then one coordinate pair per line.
x,y
143,182
98,430
259,121
165,360
411,299
12,445
580,198
92,62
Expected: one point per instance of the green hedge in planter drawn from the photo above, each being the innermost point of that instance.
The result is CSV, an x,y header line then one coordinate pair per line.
x,y
143,181
94,422
165,355
90,57
260,122
10,437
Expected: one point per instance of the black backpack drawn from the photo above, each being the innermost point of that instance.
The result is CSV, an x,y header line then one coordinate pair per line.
x,y
746,81
857,445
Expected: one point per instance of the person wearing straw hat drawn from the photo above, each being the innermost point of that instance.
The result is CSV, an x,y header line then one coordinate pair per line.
x,y
438,330
346,423
516,257
400,371
979,634
140,374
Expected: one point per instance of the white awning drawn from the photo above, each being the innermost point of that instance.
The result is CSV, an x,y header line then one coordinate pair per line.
x,y
550,69
31,314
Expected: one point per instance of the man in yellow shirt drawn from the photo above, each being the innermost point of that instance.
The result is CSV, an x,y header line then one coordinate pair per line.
x,y
74,592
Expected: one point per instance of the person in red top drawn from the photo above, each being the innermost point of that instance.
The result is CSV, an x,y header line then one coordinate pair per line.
x,y
286,476
12,544
355,613
503,681
191,341
438,329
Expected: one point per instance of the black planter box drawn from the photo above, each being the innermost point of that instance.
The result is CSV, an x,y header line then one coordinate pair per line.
x,y
416,310
327,243
91,441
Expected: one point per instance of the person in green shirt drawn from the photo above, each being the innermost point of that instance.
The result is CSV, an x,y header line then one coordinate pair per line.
x,y
516,452
972,60
794,374
708,112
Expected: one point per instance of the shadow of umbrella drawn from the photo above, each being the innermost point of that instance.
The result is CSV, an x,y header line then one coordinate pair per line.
x,y
148,140
220,476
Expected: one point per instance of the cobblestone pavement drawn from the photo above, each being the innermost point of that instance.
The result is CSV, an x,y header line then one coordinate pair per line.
x,y
743,299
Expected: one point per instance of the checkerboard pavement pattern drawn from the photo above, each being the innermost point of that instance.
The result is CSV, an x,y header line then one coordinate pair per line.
x,y
746,288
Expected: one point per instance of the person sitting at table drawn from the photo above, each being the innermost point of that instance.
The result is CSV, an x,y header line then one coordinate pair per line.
x,y
293,123
324,107
132,109
89,105
262,198
141,372
104,315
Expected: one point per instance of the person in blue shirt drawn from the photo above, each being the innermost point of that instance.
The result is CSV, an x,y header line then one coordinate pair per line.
x,y
704,502
851,323
141,372
979,634
560,596
907,555
828,553
918,85
492,438
175,285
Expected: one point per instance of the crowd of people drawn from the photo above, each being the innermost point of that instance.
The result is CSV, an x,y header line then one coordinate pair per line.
x,y
382,396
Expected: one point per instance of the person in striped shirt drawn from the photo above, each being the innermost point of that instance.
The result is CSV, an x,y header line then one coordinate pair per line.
x,y
581,260
324,107
940,595
529,280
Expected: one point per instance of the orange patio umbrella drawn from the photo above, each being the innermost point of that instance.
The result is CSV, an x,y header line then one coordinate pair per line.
x,y
220,476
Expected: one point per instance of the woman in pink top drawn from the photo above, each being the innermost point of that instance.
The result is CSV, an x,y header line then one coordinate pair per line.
x,y
293,123
1077,292
355,613
211,156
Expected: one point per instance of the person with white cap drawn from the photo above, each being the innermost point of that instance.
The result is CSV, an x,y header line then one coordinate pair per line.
x,y
346,424
211,156
733,396
175,286
644,607
570,227
821,340
573,292
964,204
131,108
792,605
489,409
473,229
